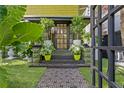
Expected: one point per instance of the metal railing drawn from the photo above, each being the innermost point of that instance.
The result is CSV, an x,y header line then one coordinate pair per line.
x,y
110,77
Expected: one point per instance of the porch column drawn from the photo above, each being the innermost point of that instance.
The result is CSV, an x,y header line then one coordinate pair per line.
x,y
68,36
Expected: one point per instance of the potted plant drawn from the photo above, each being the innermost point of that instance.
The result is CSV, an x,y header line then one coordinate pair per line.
x,y
76,50
47,24
77,53
77,26
47,50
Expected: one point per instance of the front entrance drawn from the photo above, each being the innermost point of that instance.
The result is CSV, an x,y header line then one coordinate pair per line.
x,y
61,36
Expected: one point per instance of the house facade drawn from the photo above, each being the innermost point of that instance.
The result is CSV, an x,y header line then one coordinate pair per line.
x,y
62,15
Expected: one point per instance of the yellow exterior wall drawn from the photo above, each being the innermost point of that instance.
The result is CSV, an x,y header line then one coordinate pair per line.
x,y
52,10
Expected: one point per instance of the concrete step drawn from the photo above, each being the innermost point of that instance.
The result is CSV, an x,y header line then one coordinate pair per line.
x,y
62,53
67,61
59,65
62,57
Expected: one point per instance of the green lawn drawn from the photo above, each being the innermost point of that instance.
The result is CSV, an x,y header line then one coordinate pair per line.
x,y
86,72
18,74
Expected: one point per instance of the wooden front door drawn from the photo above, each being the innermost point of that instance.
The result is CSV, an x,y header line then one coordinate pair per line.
x,y
61,36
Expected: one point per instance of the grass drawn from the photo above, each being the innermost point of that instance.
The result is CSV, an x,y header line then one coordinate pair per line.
x,y
20,75
86,72
119,77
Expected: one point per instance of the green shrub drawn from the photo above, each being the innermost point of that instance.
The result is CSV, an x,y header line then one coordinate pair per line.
x,y
78,24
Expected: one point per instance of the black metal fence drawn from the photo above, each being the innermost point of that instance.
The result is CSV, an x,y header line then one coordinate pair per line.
x,y
96,22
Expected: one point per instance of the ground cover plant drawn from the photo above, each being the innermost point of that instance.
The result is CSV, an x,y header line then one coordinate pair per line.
x,y
18,74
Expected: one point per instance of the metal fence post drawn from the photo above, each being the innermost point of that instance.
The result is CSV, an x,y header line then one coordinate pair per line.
x,y
99,50
93,44
111,62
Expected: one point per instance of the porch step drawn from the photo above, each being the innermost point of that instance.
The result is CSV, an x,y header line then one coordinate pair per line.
x,y
62,57
62,53
57,65
67,61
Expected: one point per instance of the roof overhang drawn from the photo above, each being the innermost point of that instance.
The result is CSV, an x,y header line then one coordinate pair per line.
x,y
58,18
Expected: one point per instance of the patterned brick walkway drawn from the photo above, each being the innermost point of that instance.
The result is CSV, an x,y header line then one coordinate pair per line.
x,y
62,78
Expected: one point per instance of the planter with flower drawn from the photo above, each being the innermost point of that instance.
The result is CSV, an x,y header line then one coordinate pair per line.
x,y
76,50
47,50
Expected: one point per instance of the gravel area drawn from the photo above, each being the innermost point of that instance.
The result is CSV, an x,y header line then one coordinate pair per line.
x,y
62,78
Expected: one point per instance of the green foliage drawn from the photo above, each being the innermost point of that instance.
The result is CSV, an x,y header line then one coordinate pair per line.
x,y
3,12
25,31
47,23
86,36
46,51
23,48
12,29
10,17
76,49
14,15
78,24
47,48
